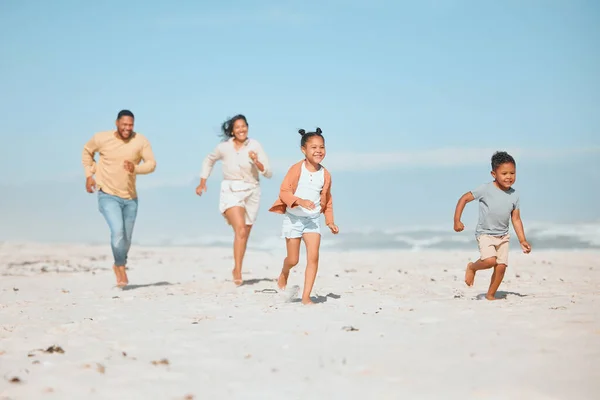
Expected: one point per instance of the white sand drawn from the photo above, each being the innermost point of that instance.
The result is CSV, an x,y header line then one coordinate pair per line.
x,y
422,334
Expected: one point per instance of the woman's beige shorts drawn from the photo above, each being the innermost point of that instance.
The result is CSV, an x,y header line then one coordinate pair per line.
x,y
494,246
240,194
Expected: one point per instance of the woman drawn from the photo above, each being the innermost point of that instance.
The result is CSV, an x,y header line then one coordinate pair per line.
x,y
243,160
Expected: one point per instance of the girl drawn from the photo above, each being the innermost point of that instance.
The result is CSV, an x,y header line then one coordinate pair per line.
x,y
304,194
243,160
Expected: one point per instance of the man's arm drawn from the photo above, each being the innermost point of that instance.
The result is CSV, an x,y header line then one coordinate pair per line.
x,y
87,156
149,163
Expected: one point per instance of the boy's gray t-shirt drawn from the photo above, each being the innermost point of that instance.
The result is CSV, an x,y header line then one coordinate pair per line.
x,y
495,208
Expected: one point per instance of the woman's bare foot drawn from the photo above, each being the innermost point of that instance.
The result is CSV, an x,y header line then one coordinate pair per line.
x,y
283,278
237,277
469,274
307,301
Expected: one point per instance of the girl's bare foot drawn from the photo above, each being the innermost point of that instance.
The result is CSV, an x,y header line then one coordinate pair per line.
x,y
283,278
490,297
469,274
237,277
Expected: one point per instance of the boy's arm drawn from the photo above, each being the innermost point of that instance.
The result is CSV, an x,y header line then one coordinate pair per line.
x,y
460,206
149,163
518,227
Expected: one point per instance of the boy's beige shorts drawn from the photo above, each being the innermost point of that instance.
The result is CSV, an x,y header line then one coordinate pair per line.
x,y
494,246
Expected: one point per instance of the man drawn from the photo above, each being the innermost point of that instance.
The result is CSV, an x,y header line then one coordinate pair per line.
x,y
120,154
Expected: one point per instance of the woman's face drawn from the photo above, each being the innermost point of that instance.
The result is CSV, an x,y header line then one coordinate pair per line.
x,y
240,130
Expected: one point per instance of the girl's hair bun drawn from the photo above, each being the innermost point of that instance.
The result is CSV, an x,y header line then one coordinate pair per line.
x,y
302,132
319,131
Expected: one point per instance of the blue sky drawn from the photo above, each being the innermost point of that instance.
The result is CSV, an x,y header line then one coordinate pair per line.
x,y
412,97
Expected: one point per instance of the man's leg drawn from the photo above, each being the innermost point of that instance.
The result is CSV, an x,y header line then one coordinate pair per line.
x,y
130,208
111,208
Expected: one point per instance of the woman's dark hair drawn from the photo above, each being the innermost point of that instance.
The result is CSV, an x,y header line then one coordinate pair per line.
x,y
227,127
308,135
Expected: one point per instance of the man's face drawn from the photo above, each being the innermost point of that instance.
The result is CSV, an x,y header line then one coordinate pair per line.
x,y
125,127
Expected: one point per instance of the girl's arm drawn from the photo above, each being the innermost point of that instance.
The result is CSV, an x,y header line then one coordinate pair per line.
x,y
286,190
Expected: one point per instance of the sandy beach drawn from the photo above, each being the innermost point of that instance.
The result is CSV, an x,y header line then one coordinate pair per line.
x,y
388,325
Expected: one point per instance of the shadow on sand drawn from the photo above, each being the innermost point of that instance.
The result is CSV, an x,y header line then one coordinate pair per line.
x,y
319,299
255,281
500,295
132,287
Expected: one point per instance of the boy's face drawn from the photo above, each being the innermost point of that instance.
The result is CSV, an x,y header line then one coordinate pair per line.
x,y
505,175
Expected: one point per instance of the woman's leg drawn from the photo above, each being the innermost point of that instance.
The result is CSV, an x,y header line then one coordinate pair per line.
x,y
236,218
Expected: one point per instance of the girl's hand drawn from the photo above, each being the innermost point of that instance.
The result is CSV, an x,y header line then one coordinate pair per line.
x,y
309,205
333,228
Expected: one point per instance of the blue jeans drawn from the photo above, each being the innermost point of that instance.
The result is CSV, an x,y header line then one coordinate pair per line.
x,y
120,215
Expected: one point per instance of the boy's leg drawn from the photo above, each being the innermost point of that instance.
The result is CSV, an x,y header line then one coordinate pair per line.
x,y
499,269
290,261
312,242
111,208
496,280
487,259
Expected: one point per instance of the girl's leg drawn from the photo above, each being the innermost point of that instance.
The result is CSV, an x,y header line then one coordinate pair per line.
x,y
312,242
293,253
236,218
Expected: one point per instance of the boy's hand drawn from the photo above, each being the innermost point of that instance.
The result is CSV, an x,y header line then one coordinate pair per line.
x,y
333,228
458,226
309,205
526,247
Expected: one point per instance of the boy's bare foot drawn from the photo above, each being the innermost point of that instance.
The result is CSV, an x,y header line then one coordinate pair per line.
x,y
307,301
283,278
237,277
469,274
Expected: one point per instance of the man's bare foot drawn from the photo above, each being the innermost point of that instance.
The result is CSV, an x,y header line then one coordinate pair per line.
x,y
283,278
237,277
469,275
307,301
121,276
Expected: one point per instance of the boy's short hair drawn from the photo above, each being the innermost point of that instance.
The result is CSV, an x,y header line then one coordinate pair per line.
x,y
502,157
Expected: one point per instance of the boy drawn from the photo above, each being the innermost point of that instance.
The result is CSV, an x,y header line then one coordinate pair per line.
x,y
497,202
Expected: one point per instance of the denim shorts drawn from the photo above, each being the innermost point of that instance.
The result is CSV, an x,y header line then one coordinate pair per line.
x,y
295,226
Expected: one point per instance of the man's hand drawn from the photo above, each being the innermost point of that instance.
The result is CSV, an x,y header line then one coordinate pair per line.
x,y
90,184
129,166
333,228
526,247
458,226
309,205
